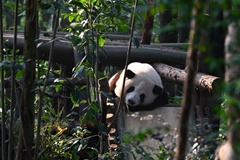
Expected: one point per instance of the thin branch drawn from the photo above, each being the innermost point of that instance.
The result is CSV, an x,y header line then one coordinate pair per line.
x,y
13,84
126,65
189,82
45,84
2,88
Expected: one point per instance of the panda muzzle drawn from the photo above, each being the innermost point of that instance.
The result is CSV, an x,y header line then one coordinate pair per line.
x,y
130,102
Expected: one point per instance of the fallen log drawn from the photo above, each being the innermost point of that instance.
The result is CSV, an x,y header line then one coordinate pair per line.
x,y
167,72
178,76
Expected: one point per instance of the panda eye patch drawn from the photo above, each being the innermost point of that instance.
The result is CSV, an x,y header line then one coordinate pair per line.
x,y
142,97
130,89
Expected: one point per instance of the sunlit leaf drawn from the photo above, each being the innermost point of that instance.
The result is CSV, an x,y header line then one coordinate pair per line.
x,y
23,13
74,24
58,81
40,44
101,40
19,74
70,18
84,143
79,71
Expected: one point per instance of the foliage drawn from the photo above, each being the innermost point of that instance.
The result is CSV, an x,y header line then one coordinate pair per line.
x,y
133,143
63,140
90,22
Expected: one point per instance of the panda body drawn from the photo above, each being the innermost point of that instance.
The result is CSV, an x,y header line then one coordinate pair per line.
x,y
143,87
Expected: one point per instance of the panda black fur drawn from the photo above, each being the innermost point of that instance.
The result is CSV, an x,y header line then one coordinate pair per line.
x,y
143,87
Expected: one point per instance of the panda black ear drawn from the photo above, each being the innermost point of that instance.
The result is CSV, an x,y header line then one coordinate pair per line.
x,y
130,74
157,90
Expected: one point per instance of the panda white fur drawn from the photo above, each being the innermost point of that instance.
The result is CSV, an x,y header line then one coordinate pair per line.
x,y
143,87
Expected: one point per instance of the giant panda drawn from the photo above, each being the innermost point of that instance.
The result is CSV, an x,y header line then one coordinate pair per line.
x,y
143,87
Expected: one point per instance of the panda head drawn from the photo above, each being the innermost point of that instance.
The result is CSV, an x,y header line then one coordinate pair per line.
x,y
142,84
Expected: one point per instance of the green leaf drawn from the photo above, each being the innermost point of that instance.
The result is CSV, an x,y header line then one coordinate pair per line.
x,y
99,26
74,24
78,4
83,144
101,40
19,66
126,138
136,42
70,18
94,106
106,95
141,136
101,74
19,74
161,148
89,116
73,100
101,127
57,86
40,44
10,5
5,63
44,6
84,33
58,81
39,81
79,71
23,13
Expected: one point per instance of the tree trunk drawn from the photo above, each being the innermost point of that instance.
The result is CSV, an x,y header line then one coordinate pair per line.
x,y
188,91
3,130
184,18
170,36
208,101
147,29
232,75
230,149
28,95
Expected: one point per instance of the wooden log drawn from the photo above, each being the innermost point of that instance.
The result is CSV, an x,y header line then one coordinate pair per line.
x,y
178,76
116,55
109,54
180,46
63,50
171,74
